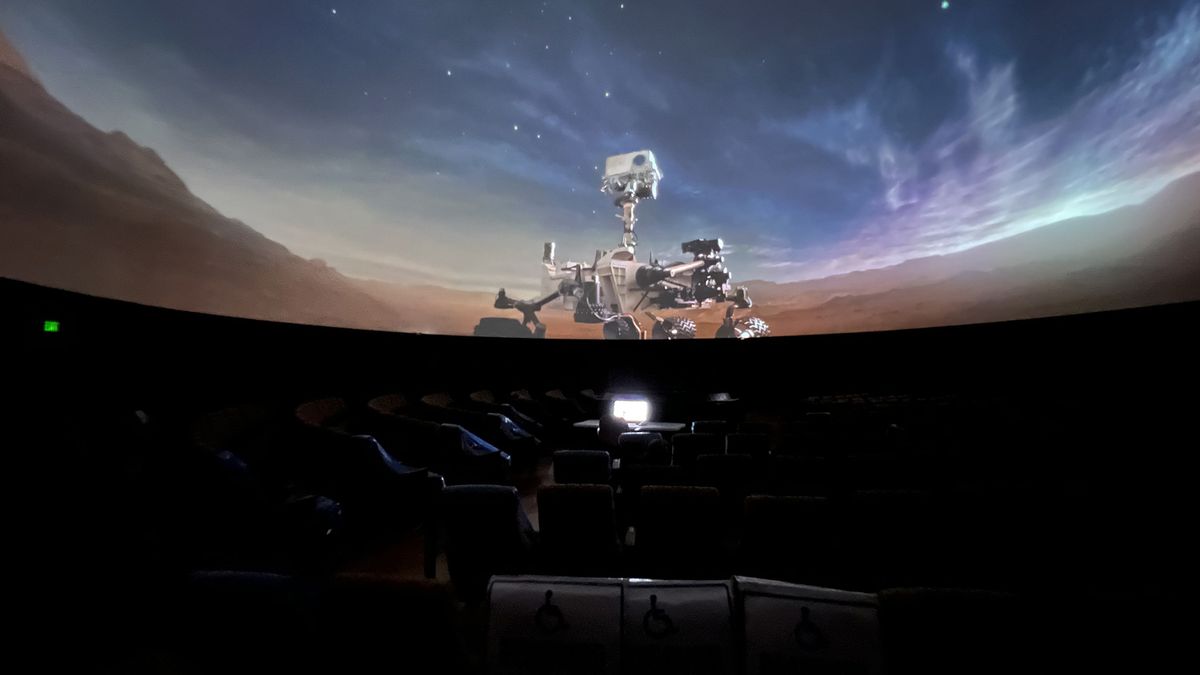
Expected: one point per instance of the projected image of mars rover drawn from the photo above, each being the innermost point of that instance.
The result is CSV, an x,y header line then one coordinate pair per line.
x,y
615,287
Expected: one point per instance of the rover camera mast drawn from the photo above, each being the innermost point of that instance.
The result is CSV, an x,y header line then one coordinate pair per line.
x,y
630,178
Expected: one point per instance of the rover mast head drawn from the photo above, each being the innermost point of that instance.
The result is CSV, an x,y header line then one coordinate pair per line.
x,y
631,177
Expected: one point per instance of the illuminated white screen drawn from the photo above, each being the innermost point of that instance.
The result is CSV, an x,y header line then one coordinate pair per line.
x,y
634,412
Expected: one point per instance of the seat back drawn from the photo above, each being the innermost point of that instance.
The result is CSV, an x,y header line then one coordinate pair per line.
x,y
326,412
678,532
685,448
800,475
582,466
554,625
891,540
791,628
755,445
733,475
635,445
578,533
789,539
372,623
717,427
246,622
486,532
679,627
957,631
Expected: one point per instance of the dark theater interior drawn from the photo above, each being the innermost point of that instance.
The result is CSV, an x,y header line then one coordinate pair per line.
x,y
916,395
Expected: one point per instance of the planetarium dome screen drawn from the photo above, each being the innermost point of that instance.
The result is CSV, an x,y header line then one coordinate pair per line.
x,y
641,169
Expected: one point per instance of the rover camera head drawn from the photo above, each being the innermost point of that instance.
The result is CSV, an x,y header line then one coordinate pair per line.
x,y
633,174
703,247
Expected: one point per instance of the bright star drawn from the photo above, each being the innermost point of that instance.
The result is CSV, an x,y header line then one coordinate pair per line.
x,y
449,73
945,4
516,128
333,11
606,94
539,136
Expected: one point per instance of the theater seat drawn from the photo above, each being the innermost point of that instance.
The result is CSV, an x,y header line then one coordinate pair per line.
x,y
755,445
678,534
246,622
801,476
633,478
634,445
378,624
891,539
582,466
578,535
485,532
733,475
789,539
685,448
378,494
716,427
933,631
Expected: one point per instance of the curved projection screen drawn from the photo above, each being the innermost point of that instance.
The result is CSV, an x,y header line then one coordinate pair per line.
x,y
841,166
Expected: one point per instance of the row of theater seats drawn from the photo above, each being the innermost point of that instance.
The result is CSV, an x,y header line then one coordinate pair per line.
x,y
715,518
252,622
247,622
867,540
749,625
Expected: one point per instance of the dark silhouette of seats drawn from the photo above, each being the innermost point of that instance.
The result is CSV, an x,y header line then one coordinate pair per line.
x,y
578,534
678,535
229,519
891,538
448,449
633,477
378,492
733,475
483,400
485,531
498,430
635,446
717,427
377,624
756,445
685,448
799,475
789,539
817,433
582,466
765,428
935,631
246,622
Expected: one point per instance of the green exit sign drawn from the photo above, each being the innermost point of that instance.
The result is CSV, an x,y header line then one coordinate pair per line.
x,y
49,326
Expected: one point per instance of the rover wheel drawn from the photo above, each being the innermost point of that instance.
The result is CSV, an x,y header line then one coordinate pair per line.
x,y
753,327
675,329
621,328
494,326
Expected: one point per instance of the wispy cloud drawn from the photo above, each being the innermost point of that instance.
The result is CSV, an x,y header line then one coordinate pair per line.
x,y
985,175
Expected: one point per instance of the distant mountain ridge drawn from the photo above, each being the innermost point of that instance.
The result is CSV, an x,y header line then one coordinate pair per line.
x,y
95,212
9,56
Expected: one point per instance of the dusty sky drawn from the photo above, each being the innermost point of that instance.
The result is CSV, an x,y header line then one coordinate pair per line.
x,y
443,141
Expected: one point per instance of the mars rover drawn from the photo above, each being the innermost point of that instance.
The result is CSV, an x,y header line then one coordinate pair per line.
x,y
615,286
